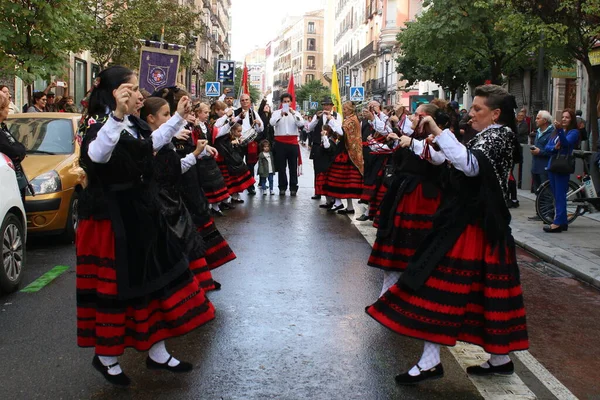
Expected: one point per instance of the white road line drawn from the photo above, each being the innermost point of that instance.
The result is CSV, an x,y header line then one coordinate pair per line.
x,y
497,387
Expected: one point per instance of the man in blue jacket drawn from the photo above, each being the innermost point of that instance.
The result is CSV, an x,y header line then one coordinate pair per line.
x,y
545,129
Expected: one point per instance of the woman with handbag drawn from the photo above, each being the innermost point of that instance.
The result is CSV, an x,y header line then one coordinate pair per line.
x,y
560,167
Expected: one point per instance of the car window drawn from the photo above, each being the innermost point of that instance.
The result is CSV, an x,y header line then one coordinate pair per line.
x,y
44,135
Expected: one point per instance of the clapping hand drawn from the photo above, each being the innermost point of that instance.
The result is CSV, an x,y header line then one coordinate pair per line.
x,y
122,95
183,135
184,107
405,141
200,145
212,151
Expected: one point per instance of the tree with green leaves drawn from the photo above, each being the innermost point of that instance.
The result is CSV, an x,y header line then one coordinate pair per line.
x,y
36,37
314,90
114,37
576,24
466,39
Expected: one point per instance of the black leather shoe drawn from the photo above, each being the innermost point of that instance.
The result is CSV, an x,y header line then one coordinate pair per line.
x,y
119,380
363,218
436,372
293,193
227,206
550,229
504,369
565,227
217,213
363,202
217,285
333,209
240,201
282,192
345,211
316,197
326,205
534,218
179,368
251,191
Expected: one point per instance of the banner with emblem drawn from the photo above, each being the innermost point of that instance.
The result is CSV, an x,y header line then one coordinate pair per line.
x,y
158,68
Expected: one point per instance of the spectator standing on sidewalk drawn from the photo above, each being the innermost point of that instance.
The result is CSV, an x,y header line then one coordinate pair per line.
x,y
563,142
540,158
12,108
266,168
39,102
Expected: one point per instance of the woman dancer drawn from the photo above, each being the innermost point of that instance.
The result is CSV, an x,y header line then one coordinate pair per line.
x,y
406,212
463,282
134,287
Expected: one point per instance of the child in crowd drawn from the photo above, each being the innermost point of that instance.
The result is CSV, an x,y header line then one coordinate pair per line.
x,y
266,167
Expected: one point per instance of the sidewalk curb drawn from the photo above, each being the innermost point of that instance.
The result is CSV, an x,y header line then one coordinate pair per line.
x,y
567,261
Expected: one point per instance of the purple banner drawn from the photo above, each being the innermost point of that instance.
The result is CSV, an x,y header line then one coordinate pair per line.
x,y
158,68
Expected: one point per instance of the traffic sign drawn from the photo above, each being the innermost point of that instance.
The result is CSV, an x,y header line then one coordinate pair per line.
x,y
226,72
314,105
357,93
213,89
347,80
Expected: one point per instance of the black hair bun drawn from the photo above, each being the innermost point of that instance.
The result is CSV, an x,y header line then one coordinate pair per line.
x,y
441,118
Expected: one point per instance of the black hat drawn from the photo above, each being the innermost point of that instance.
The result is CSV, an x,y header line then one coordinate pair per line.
x,y
327,100
50,94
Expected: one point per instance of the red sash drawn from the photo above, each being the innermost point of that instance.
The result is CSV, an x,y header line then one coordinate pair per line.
x,y
252,153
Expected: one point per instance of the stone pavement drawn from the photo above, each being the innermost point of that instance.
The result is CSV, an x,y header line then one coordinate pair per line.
x,y
576,251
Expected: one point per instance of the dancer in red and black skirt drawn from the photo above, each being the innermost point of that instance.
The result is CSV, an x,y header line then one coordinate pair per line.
x,y
211,179
230,160
134,286
345,175
406,212
463,282
324,154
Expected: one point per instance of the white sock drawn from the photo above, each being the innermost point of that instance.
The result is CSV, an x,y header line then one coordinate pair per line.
x,y
496,360
429,359
159,353
228,201
215,207
106,361
350,205
389,279
366,212
235,196
337,203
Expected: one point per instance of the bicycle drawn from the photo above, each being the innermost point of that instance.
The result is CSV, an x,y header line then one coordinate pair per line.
x,y
582,197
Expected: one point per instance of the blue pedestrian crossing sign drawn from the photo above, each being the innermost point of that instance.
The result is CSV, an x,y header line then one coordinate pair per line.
x,y
213,89
314,105
357,93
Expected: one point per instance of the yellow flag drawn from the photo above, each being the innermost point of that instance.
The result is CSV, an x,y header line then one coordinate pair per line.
x,y
335,92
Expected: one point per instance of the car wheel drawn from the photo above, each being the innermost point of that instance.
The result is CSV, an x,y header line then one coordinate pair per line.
x,y
12,234
68,235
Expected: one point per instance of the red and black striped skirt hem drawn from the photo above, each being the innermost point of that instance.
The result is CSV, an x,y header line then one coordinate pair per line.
x,y
110,324
218,251
217,195
320,181
199,267
470,297
344,180
412,221
236,184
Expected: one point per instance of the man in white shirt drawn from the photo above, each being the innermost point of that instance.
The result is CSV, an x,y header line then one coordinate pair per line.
x,y
321,118
250,120
286,122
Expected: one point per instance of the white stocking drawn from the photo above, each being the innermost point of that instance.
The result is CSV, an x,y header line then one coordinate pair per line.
x,y
159,353
496,360
429,359
350,205
106,361
389,279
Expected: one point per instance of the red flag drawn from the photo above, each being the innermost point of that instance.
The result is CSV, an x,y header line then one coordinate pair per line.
x,y
292,90
245,89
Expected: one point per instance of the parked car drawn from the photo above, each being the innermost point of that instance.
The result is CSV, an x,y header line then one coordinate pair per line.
x,y
51,167
12,228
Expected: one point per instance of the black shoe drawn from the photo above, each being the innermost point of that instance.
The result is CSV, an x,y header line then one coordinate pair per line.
x,y
534,218
363,202
282,192
512,204
251,191
316,197
179,368
217,285
504,369
227,206
550,229
363,218
345,211
119,380
333,209
217,213
565,227
326,205
240,201
436,372
293,193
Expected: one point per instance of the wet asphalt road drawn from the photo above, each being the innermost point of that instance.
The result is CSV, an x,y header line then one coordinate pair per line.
x,y
290,323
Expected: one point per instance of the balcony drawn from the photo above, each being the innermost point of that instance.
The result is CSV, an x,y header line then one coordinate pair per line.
x,y
203,64
342,61
311,67
378,86
368,51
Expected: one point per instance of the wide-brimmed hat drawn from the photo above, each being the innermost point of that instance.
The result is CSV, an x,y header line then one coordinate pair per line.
x,y
327,100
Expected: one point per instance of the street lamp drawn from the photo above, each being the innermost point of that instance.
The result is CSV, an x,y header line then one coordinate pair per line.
x,y
387,56
355,74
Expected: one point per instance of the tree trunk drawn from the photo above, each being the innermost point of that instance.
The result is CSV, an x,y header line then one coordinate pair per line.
x,y
593,101
496,73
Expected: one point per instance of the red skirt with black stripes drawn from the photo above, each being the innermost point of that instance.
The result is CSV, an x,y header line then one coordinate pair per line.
x,y
218,251
470,296
110,324
320,182
344,180
374,193
217,196
236,184
413,220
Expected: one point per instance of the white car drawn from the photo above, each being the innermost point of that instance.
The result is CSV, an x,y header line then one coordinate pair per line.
x,y
13,227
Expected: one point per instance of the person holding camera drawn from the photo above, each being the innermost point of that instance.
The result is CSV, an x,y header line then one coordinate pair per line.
x,y
322,118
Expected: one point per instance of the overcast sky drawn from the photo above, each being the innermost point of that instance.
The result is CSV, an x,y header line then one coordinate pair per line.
x,y
255,22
